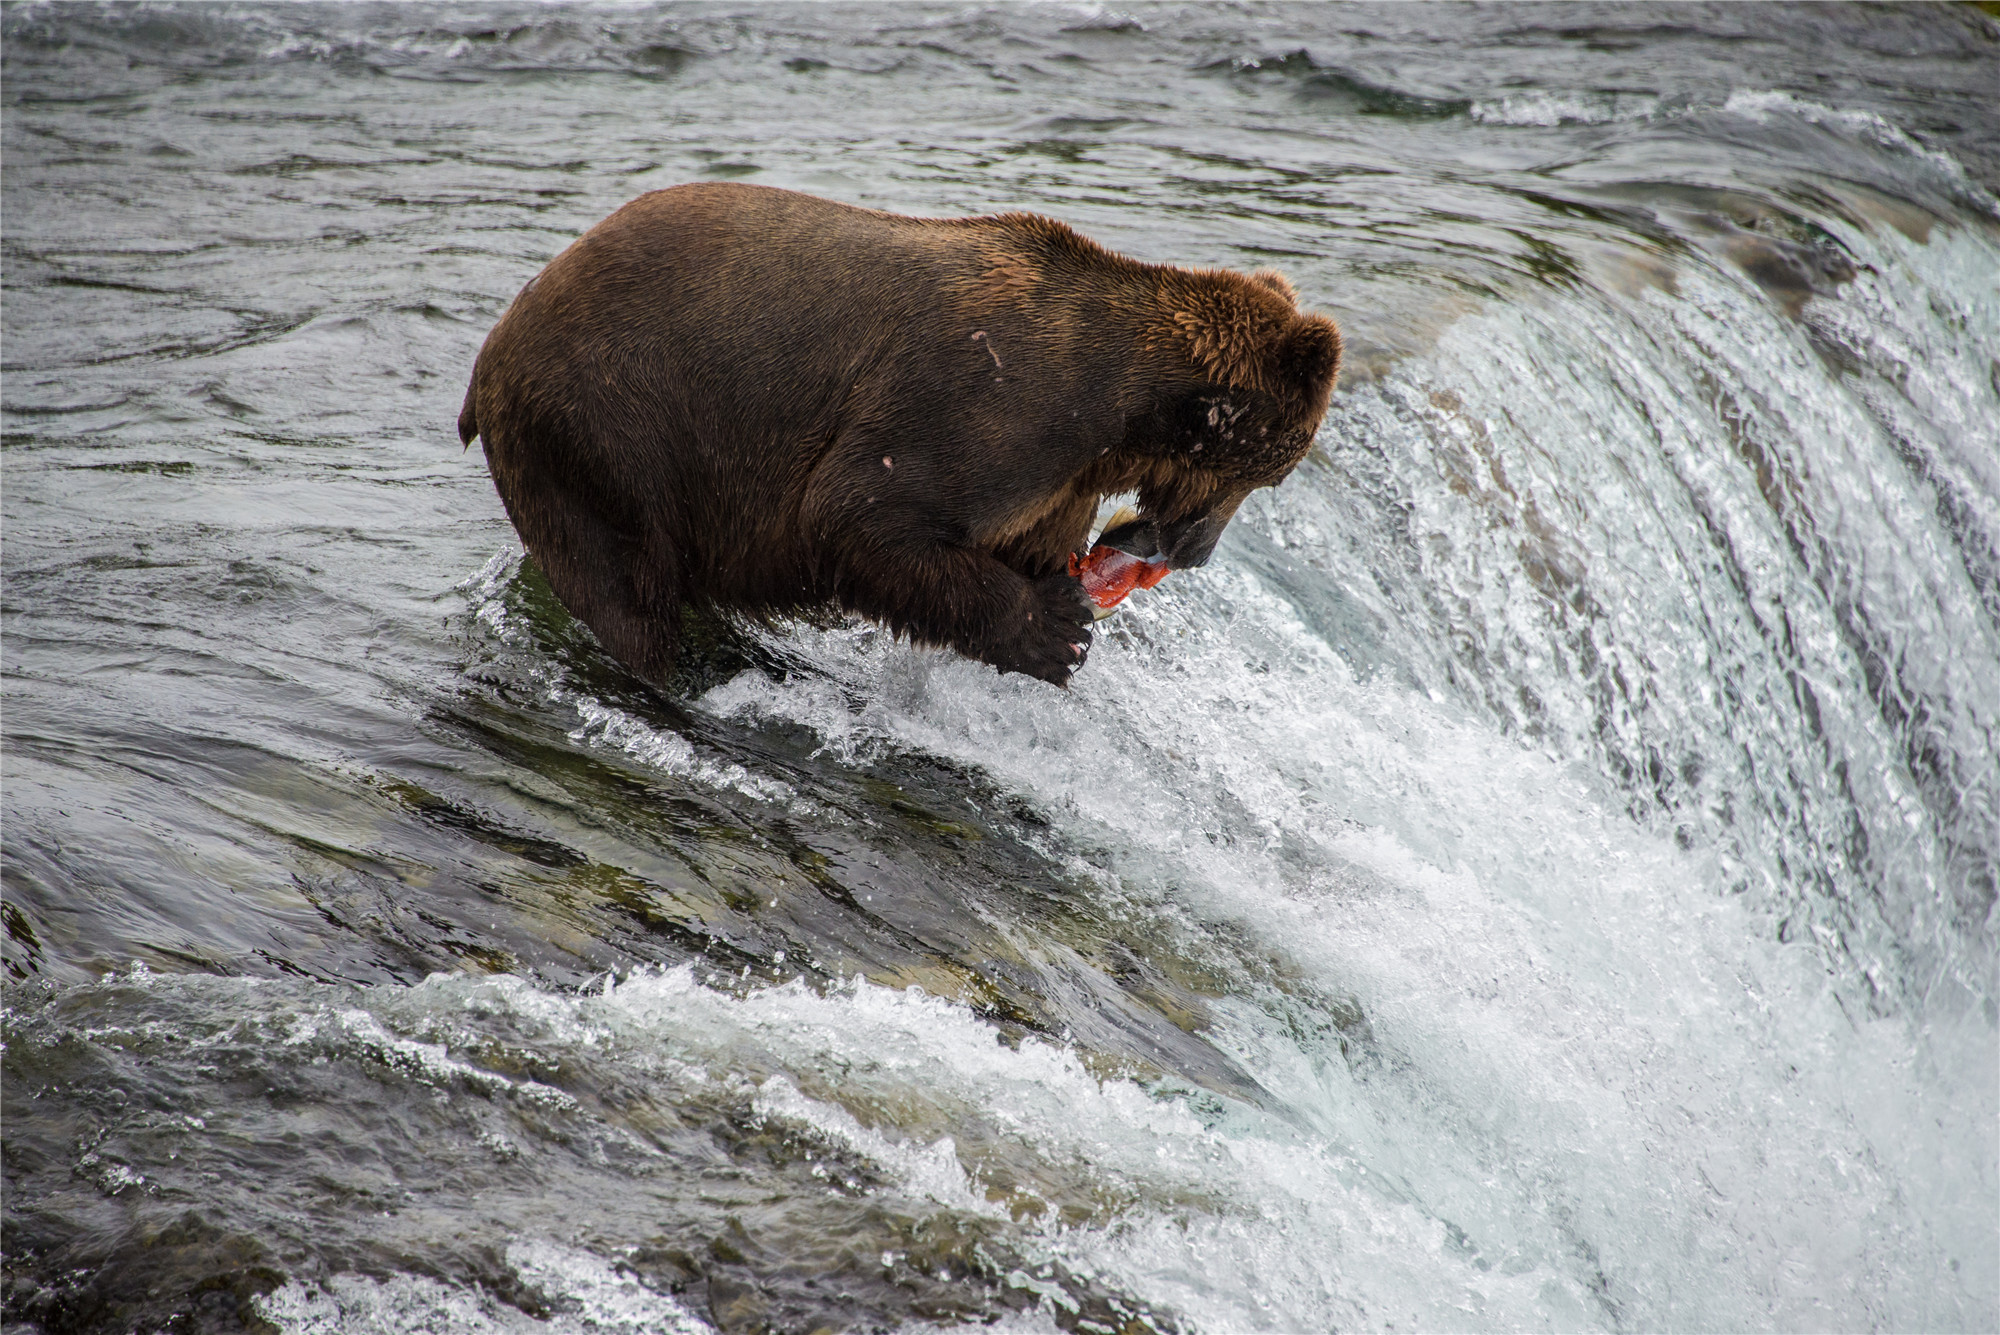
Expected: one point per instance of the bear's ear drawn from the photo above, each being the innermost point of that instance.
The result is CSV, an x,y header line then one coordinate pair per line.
x,y
1278,283
1308,359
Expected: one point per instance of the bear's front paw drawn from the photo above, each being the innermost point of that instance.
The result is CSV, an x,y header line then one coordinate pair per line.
x,y
1054,635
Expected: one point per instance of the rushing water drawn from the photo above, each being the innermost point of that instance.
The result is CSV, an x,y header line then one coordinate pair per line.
x,y
1540,875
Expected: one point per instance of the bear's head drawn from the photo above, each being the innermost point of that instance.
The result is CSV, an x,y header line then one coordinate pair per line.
x,y
1248,377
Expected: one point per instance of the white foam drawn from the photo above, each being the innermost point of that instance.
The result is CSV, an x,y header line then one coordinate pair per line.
x,y
1592,1069
430,1063
1543,107
1762,104
1593,1088
599,724
893,1071
589,1295
1585,1055
667,752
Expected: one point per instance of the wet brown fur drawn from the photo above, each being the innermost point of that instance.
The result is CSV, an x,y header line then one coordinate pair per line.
x,y
762,401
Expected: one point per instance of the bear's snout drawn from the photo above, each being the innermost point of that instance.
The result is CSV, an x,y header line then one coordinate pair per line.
x,y
1189,542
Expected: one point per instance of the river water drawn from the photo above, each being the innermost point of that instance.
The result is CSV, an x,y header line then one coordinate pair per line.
x,y
1541,875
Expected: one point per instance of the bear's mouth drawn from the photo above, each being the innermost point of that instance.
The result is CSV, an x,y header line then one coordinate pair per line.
x,y
1130,534
1181,544
1123,558
1135,551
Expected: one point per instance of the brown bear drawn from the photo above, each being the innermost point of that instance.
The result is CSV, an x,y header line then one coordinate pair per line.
x,y
759,401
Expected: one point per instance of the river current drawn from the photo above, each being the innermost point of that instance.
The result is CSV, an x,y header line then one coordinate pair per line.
x,y
1540,875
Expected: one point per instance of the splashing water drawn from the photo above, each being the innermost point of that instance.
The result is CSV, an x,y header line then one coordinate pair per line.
x,y
1541,874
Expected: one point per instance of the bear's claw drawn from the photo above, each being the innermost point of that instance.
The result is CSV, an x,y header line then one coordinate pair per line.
x,y
1055,638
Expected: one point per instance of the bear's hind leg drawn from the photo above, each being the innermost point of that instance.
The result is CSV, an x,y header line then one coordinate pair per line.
x,y
640,630
620,585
